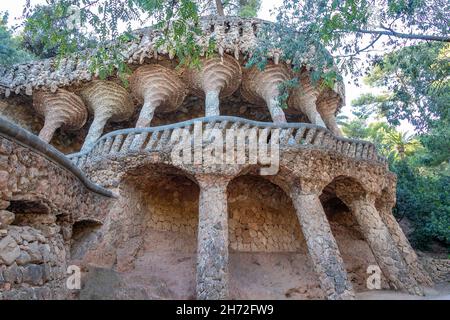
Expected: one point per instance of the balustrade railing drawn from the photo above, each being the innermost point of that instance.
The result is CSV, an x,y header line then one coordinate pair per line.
x,y
302,135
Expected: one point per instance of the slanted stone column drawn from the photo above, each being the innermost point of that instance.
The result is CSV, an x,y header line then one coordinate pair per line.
x,y
263,86
304,98
212,250
322,246
377,235
399,238
59,109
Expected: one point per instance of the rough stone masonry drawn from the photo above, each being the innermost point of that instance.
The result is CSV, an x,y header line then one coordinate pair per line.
x,y
99,189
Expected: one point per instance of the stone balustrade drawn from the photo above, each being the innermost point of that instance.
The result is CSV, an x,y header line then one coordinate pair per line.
x,y
294,135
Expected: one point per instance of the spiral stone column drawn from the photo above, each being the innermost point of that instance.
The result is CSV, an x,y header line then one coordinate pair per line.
x,y
108,101
158,87
322,246
212,252
377,235
60,109
262,86
304,98
217,77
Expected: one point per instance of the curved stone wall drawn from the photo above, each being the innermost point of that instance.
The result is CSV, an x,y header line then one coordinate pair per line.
x,y
41,195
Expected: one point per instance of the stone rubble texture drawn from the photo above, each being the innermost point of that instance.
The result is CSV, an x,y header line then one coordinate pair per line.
x,y
143,226
217,78
59,109
107,101
159,88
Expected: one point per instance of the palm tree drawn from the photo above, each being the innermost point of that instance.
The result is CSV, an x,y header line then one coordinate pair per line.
x,y
403,144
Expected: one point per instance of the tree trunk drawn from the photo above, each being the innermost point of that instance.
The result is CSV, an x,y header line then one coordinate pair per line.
x,y
219,6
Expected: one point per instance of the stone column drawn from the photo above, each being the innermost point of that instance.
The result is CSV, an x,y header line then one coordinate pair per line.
x,y
49,128
212,103
96,129
212,250
146,115
276,112
322,247
377,235
331,124
305,98
399,238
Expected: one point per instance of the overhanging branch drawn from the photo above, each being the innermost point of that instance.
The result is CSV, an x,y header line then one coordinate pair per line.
x,y
411,36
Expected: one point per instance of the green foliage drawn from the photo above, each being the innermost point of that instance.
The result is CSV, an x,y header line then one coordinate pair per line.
x,y
50,30
46,33
10,50
248,8
423,196
437,143
417,86
304,30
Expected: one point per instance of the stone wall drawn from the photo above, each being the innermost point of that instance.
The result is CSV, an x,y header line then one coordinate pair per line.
x,y
262,218
27,176
437,268
33,259
40,199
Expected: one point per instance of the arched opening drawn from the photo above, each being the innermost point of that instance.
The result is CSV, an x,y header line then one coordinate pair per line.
x,y
354,249
19,206
85,234
268,254
150,238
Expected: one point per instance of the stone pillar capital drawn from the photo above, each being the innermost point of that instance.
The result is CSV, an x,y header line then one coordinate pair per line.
x,y
350,193
206,180
306,186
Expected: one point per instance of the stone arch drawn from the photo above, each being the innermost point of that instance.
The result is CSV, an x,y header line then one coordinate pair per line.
x,y
354,249
387,253
85,234
267,248
150,237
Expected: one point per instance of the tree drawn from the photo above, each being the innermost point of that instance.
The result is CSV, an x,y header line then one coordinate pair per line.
x,y
404,145
242,8
10,50
416,86
305,30
36,40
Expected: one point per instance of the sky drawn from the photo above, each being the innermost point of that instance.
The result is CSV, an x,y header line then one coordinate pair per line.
x,y
15,7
